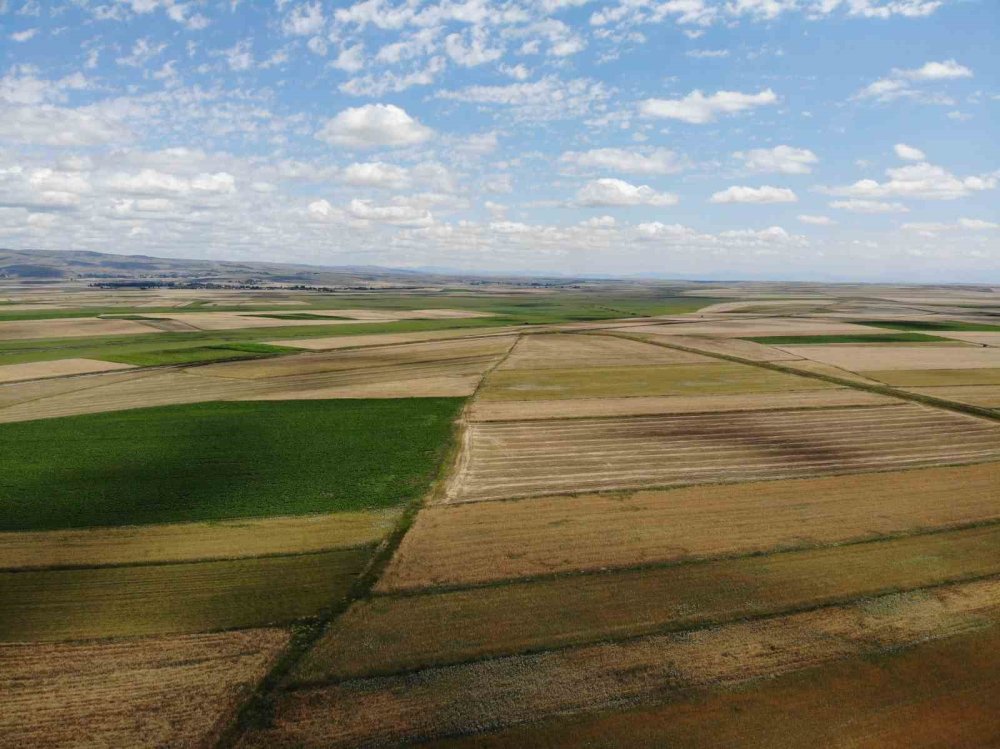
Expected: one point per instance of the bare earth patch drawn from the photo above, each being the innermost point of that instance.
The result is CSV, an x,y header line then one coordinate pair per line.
x,y
566,351
868,358
436,702
57,368
479,542
74,327
164,691
327,343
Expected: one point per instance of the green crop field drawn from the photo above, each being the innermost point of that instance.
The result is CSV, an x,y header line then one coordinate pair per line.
x,y
201,354
210,461
957,325
788,340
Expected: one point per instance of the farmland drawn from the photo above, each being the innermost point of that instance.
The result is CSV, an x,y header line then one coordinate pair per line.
x,y
614,514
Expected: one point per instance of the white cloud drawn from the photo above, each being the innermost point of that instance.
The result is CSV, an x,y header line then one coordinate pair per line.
x,y
868,206
781,159
649,161
617,192
815,220
899,84
48,125
153,182
908,153
977,224
703,54
472,48
304,20
23,36
920,180
142,52
351,59
698,109
763,194
599,222
374,126
392,82
376,174
963,224
935,71
549,98
396,215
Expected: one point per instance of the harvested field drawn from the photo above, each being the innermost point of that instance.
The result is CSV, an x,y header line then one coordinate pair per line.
x,y
385,339
442,386
869,358
568,351
57,368
941,693
436,702
674,379
73,327
481,542
815,367
244,320
163,691
478,352
12,393
506,460
933,377
987,396
752,328
173,598
670,404
189,542
384,635
984,338
728,346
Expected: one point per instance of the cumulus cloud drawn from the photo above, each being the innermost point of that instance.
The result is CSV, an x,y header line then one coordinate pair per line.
x,y
617,192
763,194
920,180
868,206
698,109
899,84
908,153
395,215
815,220
304,20
374,126
781,159
647,161
549,98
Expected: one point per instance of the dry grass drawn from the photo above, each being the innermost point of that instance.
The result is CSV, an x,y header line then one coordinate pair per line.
x,y
873,358
737,327
674,379
936,377
391,634
518,459
491,694
669,404
172,598
441,386
21,392
73,327
463,544
57,368
936,694
165,691
728,346
985,338
987,396
815,367
569,351
179,542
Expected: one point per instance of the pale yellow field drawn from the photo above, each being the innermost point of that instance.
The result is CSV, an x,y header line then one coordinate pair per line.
x,y
987,396
57,368
483,410
328,343
566,351
162,691
472,543
868,358
749,350
177,542
741,328
74,327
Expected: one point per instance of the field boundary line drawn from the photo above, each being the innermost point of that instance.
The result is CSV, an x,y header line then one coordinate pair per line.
x,y
887,390
257,709
685,561
656,631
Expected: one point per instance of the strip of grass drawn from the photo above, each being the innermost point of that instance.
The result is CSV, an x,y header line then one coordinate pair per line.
x,y
211,461
200,354
787,340
173,598
957,325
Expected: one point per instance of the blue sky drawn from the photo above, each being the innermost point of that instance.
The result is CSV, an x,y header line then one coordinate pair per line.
x,y
788,139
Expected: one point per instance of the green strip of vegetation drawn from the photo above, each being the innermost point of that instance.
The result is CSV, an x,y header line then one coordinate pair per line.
x,y
211,461
958,325
777,340
201,354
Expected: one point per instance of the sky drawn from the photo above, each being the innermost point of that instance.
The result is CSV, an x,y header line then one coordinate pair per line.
x,y
715,139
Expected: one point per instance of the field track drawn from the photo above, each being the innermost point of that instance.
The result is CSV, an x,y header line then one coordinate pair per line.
x,y
515,460
165,691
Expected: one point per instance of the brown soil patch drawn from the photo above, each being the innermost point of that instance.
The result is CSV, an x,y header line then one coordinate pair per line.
x,y
388,634
20,392
936,694
519,459
74,327
422,387
57,368
749,350
437,702
226,539
385,339
472,543
164,691
671,404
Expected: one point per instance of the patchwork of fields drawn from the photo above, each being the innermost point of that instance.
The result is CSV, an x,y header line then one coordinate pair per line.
x,y
508,522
